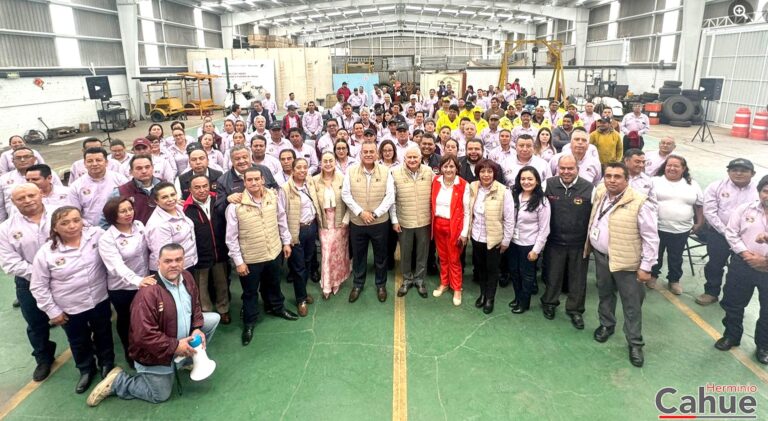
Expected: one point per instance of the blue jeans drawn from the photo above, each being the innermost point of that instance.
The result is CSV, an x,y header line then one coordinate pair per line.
x,y
38,331
156,388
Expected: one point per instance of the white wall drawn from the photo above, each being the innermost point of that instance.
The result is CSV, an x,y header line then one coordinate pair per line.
x,y
639,80
63,101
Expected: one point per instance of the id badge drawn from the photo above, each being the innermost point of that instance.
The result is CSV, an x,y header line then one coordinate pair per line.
x,y
595,233
516,234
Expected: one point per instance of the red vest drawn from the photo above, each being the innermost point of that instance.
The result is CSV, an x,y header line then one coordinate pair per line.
x,y
143,204
457,205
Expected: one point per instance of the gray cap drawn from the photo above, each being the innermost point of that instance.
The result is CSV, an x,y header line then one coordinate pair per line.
x,y
741,163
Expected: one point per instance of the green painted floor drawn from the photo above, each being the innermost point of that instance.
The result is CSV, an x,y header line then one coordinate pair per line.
x,y
337,364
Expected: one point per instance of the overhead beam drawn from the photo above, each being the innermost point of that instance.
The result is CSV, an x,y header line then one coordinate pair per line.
x,y
344,34
293,29
406,33
240,18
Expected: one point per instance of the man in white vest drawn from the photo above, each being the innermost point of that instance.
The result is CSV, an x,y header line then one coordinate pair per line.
x,y
369,192
411,218
623,233
258,239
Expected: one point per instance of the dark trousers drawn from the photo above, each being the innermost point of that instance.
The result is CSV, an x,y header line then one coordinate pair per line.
x,y
631,292
90,333
559,262
740,284
674,244
392,239
718,251
360,236
300,262
522,272
264,277
121,300
487,268
38,331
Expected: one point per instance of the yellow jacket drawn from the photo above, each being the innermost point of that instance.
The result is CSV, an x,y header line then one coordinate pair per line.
x,y
445,121
610,147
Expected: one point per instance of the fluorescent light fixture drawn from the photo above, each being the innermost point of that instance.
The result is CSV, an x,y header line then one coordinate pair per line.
x,y
431,9
466,12
333,13
410,7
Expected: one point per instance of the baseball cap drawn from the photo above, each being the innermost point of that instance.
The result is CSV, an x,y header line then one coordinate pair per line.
x,y
469,105
741,163
605,119
142,142
477,110
414,96
275,126
494,117
291,107
525,111
402,126
193,146
370,132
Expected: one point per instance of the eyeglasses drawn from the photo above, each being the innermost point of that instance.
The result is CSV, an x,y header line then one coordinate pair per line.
x,y
23,157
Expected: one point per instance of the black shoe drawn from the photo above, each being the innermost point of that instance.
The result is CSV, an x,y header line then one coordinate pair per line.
x,y
285,314
422,291
762,355
106,369
247,335
85,381
518,309
549,312
636,356
602,333
403,290
725,343
381,293
513,303
488,306
42,371
480,302
577,321
354,294
16,304
315,276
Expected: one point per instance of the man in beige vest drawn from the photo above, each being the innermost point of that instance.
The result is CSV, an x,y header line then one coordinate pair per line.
x,y
623,234
411,218
258,239
369,192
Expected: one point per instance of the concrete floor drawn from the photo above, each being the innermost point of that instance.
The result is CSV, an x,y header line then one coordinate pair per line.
x,y
342,361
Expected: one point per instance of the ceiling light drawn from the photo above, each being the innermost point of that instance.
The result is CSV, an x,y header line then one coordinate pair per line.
x,y
431,9
466,12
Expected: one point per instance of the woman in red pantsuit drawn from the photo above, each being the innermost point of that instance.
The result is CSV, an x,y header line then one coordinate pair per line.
x,y
450,224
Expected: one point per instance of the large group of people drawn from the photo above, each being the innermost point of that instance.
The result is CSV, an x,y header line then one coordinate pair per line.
x,y
158,232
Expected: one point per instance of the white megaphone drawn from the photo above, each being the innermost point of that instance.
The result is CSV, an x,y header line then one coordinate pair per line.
x,y
203,366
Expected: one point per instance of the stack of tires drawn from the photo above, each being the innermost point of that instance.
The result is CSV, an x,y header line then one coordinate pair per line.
x,y
682,107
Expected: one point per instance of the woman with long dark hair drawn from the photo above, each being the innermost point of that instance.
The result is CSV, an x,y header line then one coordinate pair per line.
x,y
123,248
680,208
69,283
543,147
531,229
168,224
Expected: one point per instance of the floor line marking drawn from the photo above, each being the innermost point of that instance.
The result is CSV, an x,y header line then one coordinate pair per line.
x,y
399,366
740,355
30,387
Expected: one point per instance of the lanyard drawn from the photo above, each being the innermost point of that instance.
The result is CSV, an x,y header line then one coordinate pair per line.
x,y
602,204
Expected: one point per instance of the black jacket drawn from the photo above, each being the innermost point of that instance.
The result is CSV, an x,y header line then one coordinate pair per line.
x,y
230,182
466,173
570,211
186,178
209,233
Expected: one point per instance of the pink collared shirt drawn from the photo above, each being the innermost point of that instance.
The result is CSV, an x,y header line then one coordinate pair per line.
x,y
589,167
312,123
164,228
20,240
532,228
67,279
746,222
722,197
126,257
78,169
511,166
90,195
274,149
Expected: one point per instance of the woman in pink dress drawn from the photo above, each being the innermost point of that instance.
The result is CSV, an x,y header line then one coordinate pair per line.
x,y
334,227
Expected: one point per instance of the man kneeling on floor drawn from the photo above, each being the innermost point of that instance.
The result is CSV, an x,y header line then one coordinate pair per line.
x,y
165,317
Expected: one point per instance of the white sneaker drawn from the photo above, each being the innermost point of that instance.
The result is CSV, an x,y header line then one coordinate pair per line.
x,y
439,291
457,298
104,388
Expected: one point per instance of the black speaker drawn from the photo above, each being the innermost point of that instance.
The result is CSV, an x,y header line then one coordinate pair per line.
x,y
98,87
712,88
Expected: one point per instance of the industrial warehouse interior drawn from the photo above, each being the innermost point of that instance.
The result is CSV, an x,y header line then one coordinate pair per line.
x,y
341,210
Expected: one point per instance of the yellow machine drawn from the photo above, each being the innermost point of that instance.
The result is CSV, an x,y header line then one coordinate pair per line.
x,y
165,106
555,49
194,82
